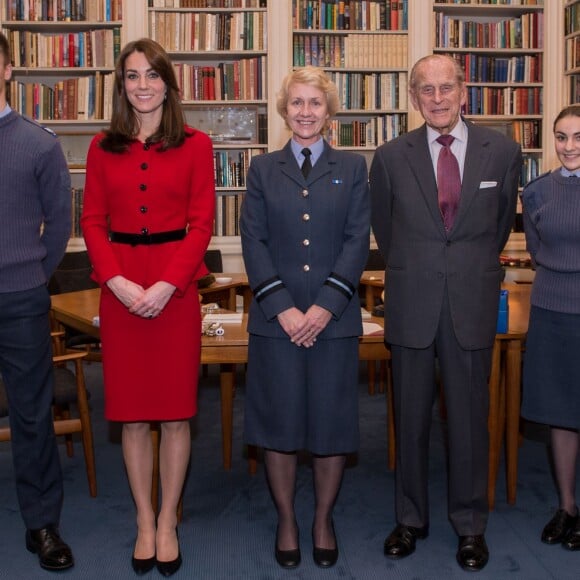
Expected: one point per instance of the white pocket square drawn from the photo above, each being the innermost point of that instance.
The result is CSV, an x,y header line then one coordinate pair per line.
x,y
486,184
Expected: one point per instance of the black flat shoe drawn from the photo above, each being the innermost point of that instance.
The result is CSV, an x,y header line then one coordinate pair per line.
x,y
53,553
324,557
142,565
401,541
472,553
572,539
558,527
286,558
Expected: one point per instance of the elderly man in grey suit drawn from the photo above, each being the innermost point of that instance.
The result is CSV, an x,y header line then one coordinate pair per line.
x,y
443,201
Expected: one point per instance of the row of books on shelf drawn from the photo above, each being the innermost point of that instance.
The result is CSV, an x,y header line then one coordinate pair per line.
x,y
208,3
231,167
481,68
243,79
77,210
83,98
200,31
526,31
527,133
227,215
531,168
571,19
504,101
369,133
371,91
364,51
572,53
350,14
92,48
65,10
575,89
494,2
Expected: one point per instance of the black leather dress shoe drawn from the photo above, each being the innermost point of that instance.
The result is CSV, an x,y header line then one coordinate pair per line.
x,y
558,527
472,553
572,539
53,553
324,557
142,565
286,558
401,541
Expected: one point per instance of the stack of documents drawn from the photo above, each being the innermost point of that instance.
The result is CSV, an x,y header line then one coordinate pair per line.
x,y
223,317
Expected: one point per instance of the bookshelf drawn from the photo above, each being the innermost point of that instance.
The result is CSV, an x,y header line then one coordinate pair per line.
x,y
572,50
363,47
220,54
63,55
500,46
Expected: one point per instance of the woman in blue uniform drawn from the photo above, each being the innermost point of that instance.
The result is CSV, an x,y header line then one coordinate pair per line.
x,y
305,238
552,367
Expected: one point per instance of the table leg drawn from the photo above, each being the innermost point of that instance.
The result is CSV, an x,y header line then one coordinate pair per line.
x,y
369,298
232,299
227,401
513,401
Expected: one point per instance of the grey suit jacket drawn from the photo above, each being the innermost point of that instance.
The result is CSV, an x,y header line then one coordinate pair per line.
x,y
305,242
423,260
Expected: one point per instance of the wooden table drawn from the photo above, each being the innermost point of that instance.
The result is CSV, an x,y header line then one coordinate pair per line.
x,y
77,309
225,294
504,382
373,282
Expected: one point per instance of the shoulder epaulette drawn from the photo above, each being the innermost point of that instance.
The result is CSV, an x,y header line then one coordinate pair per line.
x,y
37,124
541,176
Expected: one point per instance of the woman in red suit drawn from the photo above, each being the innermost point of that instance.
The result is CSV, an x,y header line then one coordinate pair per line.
x,y
147,221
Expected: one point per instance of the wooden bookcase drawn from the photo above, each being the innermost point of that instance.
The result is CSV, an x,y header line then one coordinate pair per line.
x,y
572,50
63,56
363,47
220,54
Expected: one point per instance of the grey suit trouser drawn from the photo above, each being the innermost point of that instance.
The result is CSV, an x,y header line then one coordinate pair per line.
x,y
464,375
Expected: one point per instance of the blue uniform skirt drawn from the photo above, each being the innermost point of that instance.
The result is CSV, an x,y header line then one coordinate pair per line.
x,y
551,379
302,398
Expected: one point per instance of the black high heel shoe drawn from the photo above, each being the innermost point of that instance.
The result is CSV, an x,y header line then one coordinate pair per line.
x,y
142,565
286,558
324,557
169,568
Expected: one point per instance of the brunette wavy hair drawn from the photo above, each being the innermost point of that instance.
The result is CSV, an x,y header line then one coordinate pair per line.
x,y
124,125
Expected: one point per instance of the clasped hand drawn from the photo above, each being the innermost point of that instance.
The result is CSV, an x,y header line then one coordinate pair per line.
x,y
147,303
304,327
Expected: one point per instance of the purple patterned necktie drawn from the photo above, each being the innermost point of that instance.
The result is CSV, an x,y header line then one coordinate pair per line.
x,y
448,181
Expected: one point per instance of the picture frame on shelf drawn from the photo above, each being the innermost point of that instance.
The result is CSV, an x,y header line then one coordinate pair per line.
x,y
226,125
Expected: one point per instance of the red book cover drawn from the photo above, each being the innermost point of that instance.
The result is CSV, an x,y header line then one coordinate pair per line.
x,y
71,50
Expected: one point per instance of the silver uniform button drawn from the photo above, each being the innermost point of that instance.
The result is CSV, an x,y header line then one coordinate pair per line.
x,y
304,193
306,217
306,268
306,242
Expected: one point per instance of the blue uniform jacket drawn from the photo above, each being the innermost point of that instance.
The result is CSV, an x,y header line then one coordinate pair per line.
x,y
306,241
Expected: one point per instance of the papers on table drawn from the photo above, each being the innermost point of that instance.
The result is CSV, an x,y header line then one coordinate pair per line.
x,y
372,328
223,317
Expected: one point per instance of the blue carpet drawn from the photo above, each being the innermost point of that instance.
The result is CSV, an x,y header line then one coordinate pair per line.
x,y
229,522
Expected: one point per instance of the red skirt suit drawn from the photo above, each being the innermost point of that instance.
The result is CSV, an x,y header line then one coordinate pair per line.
x,y
150,366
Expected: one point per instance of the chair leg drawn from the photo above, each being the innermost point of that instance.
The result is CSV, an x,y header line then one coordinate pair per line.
x,y
87,429
372,376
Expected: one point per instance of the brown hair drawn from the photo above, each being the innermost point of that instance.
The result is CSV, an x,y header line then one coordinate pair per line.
x,y
570,111
315,77
5,49
124,122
